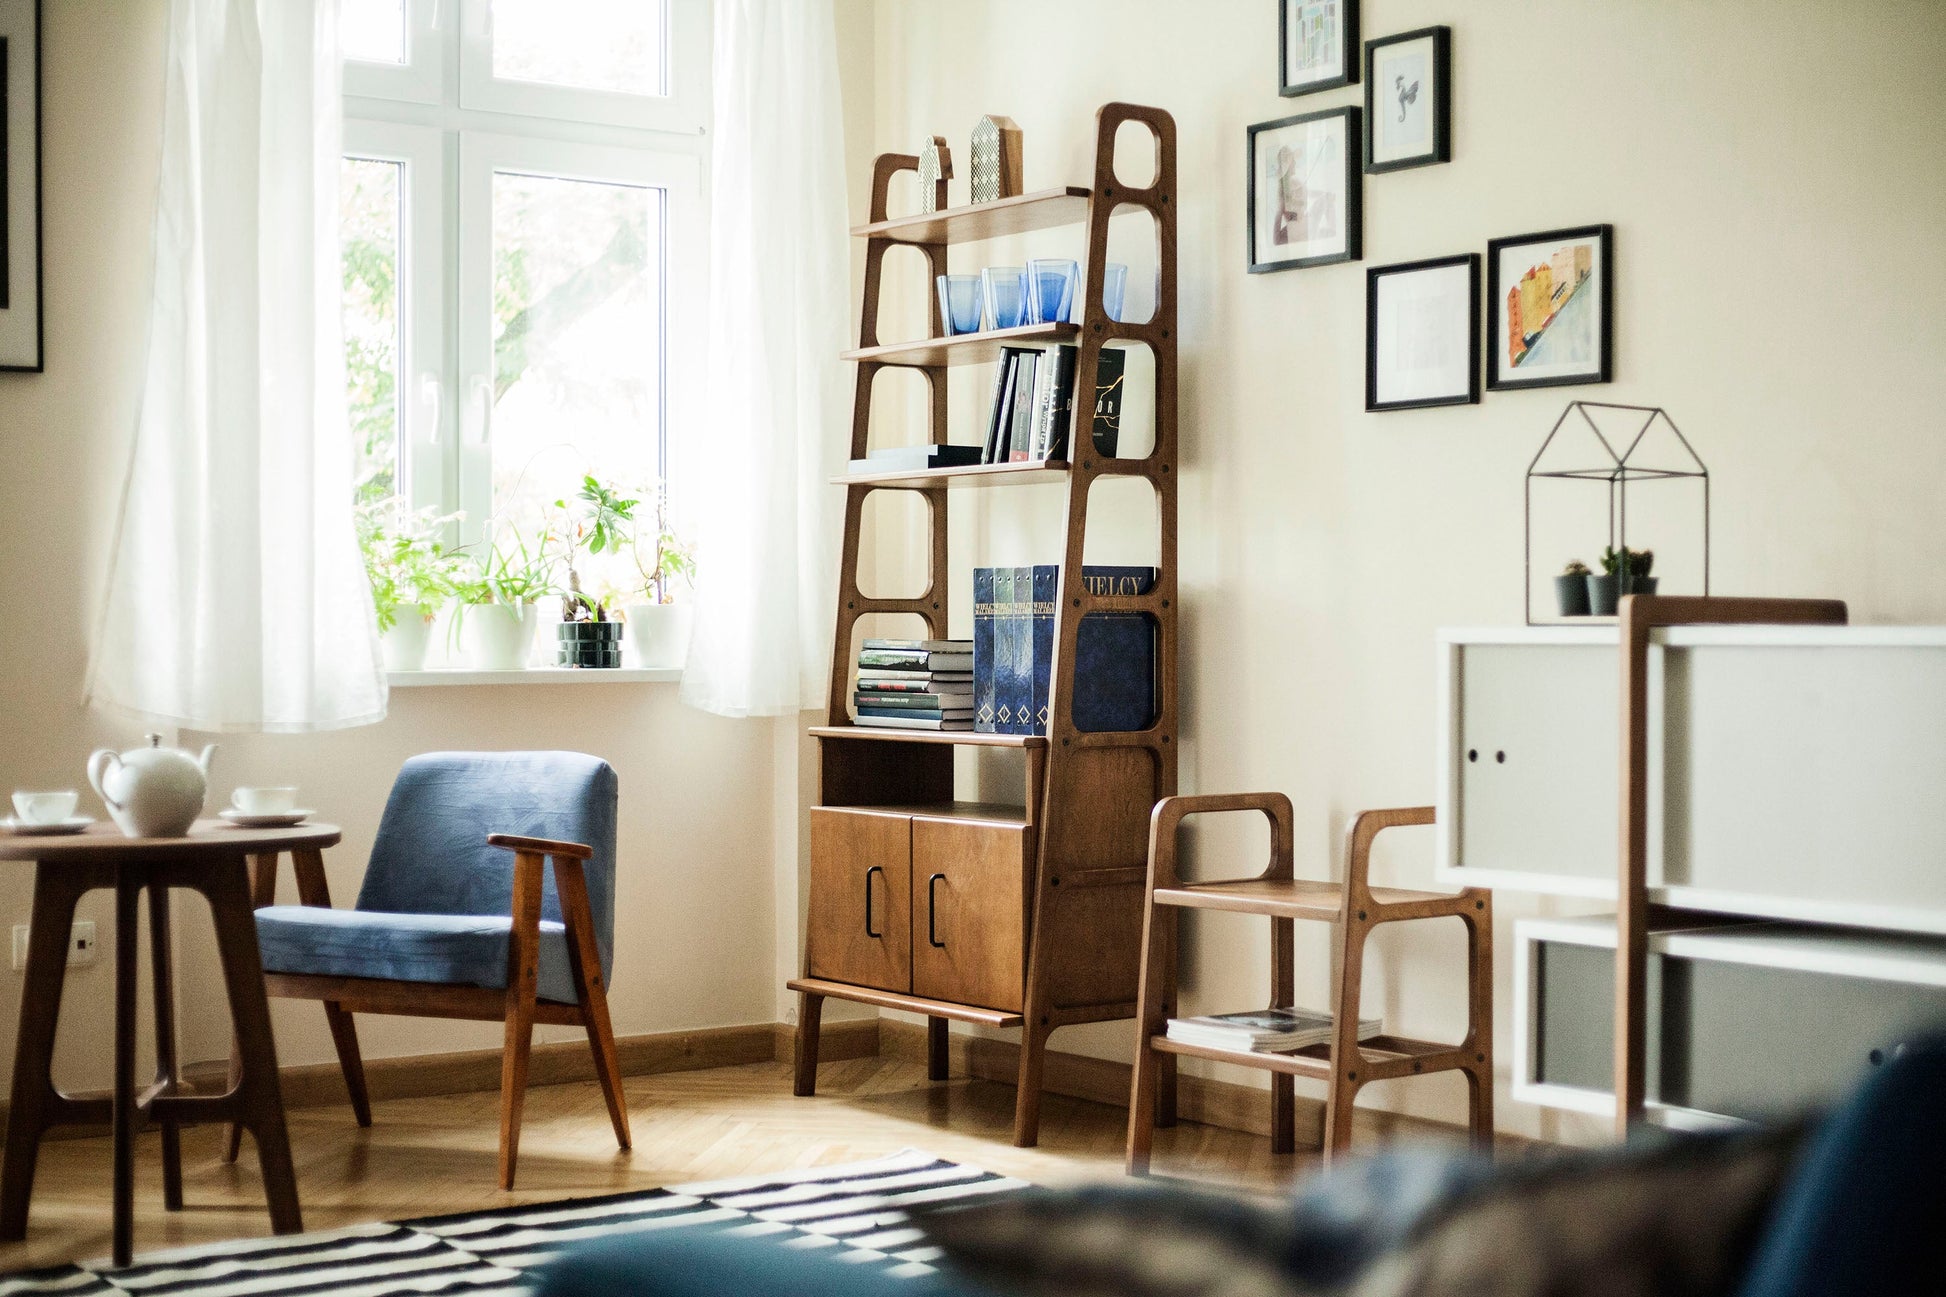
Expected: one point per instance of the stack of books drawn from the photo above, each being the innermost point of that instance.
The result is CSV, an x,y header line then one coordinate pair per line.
x,y
915,684
1013,652
1032,409
1265,1031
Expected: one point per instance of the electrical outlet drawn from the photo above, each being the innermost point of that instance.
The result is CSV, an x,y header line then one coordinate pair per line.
x,y
81,945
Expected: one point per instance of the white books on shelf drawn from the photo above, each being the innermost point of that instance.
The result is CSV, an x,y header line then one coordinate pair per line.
x,y
1264,1031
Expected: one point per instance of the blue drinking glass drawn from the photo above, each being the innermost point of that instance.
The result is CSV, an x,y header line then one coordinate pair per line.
x,y
959,303
1005,288
1114,286
1050,290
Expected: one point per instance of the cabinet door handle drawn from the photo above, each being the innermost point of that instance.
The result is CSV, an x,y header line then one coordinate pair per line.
x,y
875,869
932,912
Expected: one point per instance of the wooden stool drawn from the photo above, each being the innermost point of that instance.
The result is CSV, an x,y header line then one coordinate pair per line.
x,y
1346,1063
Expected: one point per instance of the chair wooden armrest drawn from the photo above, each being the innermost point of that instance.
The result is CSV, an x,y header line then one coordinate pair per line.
x,y
541,846
1170,812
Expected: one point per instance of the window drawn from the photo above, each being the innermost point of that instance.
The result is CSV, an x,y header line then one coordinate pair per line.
x,y
523,250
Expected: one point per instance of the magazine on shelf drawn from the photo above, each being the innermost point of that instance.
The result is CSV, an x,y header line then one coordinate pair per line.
x,y
1264,1031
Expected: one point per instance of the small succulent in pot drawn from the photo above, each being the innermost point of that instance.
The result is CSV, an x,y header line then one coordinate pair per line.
x,y
1571,589
1640,562
1623,571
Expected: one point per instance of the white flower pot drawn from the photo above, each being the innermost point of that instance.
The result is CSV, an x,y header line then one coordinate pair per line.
x,y
498,636
658,635
405,644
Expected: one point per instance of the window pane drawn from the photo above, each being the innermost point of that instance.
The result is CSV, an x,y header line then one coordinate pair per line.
x,y
587,44
369,224
373,31
577,352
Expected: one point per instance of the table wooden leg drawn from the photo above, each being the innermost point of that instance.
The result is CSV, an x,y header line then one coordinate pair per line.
x,y
56,889
128,892
263,891
258,1093
168,1075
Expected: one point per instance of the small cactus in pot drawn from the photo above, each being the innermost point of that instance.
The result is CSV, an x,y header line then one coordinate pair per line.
x,y
1571,589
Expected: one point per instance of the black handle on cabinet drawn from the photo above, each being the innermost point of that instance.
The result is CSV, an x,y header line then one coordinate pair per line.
x,y
875,869
932,912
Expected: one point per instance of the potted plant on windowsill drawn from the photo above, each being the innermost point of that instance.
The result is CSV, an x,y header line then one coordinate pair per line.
x,y
412,574
598,522
1624,571
658,636
498,604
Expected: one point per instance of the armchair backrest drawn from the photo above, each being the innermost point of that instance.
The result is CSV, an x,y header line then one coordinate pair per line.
x,y
431,855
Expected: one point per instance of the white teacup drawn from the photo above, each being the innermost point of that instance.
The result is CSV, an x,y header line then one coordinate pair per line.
x,y
264,801
45,808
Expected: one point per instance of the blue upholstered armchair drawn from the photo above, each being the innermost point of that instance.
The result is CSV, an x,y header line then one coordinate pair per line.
x,y
459,918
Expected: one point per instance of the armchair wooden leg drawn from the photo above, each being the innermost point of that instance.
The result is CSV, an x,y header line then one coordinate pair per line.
x,y
584,964
1342,1095
523,981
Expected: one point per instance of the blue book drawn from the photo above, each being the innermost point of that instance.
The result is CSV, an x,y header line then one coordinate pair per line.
x,y
984,712
1003,650
1016,686
1115,657
1046,584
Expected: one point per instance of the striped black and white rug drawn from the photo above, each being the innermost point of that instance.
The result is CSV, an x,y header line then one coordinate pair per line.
x,y
859,1208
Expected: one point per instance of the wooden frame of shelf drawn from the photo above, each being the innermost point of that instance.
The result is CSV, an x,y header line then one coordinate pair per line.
x,y
1084,824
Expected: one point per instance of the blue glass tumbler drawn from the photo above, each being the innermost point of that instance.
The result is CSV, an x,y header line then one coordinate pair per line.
x,y
959,303
1114,287
1005,288
1050,290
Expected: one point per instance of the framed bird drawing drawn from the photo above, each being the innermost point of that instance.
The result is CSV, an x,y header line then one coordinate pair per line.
x,y
1408,100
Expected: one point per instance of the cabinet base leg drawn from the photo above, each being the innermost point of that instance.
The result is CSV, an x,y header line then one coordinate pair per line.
x,y
810,1012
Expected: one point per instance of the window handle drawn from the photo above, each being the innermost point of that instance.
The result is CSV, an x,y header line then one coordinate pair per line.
x,y
932,912
433,394
482,392
875,869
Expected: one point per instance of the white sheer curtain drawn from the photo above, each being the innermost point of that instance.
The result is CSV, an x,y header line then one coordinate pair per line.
x,y
237,600
767,518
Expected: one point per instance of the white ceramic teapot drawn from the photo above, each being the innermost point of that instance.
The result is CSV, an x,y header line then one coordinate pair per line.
x,y
153,792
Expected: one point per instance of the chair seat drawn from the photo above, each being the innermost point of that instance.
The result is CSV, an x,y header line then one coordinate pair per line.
x,y
470,949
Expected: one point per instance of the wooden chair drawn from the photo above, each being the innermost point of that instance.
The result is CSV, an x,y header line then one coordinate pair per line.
x,y
456,920
1346,1064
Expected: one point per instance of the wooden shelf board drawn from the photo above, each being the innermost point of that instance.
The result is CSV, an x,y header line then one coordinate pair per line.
x,y
965,737
964,348
1313,1060
1287,899
1043,209
1011,474
907,1003
971,812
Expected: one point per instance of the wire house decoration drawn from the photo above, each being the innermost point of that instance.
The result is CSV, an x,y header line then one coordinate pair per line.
x,y
1617,446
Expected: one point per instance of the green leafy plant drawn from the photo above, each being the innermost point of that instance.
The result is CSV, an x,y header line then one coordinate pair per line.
x,y
510,573
406,560
674,559
1575,567
600,521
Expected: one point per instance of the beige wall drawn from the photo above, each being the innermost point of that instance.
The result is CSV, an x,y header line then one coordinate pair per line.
x,y
1774,175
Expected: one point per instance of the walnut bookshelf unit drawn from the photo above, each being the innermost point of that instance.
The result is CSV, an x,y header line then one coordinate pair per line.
x,y
1025,915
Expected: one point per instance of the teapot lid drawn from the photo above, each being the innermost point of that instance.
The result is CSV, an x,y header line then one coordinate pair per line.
x,y
155,740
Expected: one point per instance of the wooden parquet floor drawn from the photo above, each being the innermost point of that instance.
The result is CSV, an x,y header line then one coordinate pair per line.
x,y
435,1155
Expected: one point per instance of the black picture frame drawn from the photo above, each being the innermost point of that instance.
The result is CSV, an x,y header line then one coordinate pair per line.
x,y
1498,333
1439,97
1348,59
22,341
1354,214
1470,395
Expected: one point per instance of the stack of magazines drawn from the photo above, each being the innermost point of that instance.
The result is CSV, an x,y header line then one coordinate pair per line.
x,y
912,684
1264,1031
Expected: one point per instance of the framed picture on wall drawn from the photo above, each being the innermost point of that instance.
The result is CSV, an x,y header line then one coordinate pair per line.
x,y
1422,333
1317,45
20,186
1408,104
1304,203
1551,299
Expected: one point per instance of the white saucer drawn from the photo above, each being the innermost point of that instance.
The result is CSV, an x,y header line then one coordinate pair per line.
x,y
276,820
20,829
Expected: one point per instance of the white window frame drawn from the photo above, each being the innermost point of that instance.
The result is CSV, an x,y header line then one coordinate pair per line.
x,y
419,114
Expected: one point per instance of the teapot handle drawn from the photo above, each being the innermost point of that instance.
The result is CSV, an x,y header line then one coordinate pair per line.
x,y
98,770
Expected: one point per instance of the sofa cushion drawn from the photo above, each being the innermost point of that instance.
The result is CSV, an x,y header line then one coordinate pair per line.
x,y
464,948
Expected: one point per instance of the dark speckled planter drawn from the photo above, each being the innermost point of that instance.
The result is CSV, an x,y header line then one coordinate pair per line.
x,y
588,644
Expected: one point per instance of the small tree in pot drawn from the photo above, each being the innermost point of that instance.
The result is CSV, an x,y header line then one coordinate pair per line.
x,y
598,522
1571,589
659,625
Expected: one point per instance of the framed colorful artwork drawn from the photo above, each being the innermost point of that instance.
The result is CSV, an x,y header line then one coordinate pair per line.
x,y
1305,191
1408,100
1317,45
1551,303
1422,333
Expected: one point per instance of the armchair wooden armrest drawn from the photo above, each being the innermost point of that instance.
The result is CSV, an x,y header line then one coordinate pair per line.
x,y
541,846
1170,812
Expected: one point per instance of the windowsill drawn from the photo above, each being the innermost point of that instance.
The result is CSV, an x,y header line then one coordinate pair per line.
x,y
536,676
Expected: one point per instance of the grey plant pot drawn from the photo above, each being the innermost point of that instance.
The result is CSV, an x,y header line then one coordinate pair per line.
x,y
1603,590
1641,585
1571,592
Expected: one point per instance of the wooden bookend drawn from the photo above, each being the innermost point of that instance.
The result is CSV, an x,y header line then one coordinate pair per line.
x,y
996,159
935,169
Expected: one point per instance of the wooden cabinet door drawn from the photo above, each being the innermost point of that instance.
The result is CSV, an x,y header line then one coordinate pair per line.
x,y
969,912
860,924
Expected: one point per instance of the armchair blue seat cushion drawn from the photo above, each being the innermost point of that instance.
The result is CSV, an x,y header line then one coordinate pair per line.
x,y
470,949
436,902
